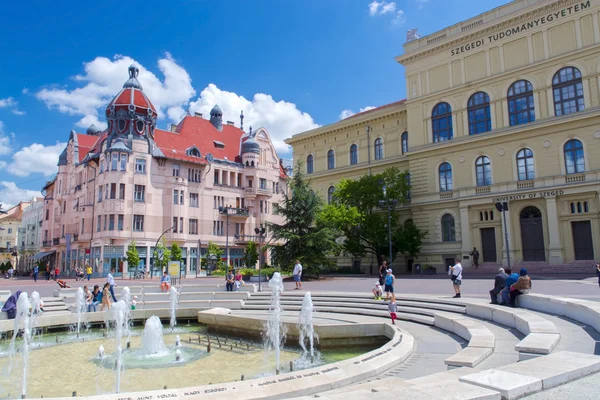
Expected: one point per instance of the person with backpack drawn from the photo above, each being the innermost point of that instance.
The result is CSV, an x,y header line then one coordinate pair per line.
x,y
390,280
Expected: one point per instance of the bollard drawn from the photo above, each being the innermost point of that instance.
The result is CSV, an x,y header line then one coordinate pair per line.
x,y
57,339
231,348
247,347
128,345
77,335
165,387
208,348
277,371
190,339
74,394
291,366
242,378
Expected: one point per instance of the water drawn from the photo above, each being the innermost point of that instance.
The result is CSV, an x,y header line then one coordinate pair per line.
x,y
275,332
21,319
174,299
35,311
126,297
306,328
79,307
118,311
152,338
100,351
177,341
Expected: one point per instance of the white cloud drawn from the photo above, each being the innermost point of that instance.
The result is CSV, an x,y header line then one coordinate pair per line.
x,y
7,102
399,18
281,118
377,8
348,113
421,3
18,112
11,195
25,91
36,158
5,141
104,78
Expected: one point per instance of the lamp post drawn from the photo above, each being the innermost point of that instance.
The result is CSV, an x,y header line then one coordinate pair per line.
x,y
212,263
260,232
390,204
199,257
155,246
503,208
228,211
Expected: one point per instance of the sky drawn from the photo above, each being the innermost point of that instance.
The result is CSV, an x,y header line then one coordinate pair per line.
x,y
290,65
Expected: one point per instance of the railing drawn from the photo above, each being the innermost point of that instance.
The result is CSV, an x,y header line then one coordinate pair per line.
x,y
259,190
446,195
77,188
246,238
228,186
482,190
75,237
56,241
46,243
525,184
575,178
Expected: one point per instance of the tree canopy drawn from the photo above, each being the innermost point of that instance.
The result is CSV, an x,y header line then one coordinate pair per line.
x,y
303,237
175,252
251,254
132,255
161,255
356,214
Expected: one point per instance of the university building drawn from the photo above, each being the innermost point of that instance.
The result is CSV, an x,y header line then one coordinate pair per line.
x,y
502,107
202,180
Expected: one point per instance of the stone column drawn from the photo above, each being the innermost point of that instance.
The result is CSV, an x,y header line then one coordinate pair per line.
x,y
187,261
555,250
148,259
465,233
511,242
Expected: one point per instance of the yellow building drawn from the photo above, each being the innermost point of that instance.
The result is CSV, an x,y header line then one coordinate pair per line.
x,y
503,107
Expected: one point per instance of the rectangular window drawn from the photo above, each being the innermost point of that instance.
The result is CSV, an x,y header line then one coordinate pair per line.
x,y
139,193
180,224
45,236
101,166
47,214
123,158
263,183
193,199
140,165
114,162
243,203
122,191
277,188
175,196
216,177
138,223
237,228
261,206
113,190
111,222
174,224
194,175
181,194
120,222
105,224
221,231
249,183
239,180
193,227
99,224
82,225
175,170
215,201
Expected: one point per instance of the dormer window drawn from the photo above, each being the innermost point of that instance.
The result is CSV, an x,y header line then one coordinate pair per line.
x,y
139,125
121,124
219,145
193,152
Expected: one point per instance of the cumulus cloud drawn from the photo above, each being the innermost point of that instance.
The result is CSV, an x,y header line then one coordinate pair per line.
x,y
104,78
348,113
378,8
35,158
11,194
12,104
5,141
281,118
421,3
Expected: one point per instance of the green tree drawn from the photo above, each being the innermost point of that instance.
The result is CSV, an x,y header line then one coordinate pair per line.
x,y
175,252
251,254
132,255
356,214
161,255
214,249
303,237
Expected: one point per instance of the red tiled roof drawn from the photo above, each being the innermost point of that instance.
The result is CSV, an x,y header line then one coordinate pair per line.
x,y
377,109
199,132
140,100
282,173
86,143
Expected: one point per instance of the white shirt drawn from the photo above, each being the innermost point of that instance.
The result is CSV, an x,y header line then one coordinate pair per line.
x,y
298,269
110,280
458,271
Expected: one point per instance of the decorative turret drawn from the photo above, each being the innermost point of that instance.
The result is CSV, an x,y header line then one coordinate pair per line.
x,y
216,117
93,130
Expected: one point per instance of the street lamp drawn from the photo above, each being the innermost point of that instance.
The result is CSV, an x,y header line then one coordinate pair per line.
x,y
260,232
228,211
155,246
503,208
199,257
390,204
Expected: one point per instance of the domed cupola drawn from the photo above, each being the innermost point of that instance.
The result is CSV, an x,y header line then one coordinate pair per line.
x,y
216,117
250,146
131,112
93,130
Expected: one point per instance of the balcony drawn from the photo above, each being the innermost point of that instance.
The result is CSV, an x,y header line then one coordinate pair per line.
x,y
241,239
574,178
233,188
46,243
77,188
260,191
446,195
525,184
75,237
56,241
482,190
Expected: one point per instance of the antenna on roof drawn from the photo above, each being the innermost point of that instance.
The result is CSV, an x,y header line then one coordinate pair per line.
x,y
242,120
250,134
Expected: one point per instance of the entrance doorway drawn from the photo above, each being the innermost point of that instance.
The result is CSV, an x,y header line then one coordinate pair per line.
x,y
532,234
488,244
449,261
582,240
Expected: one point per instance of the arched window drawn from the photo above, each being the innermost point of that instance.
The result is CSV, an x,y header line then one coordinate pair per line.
x,y
448,231
521,109
525,167
483,170
574,159
330,194
310,164
445,177
353,154
404,142
330,159
567,89
378,149
441,122
479,113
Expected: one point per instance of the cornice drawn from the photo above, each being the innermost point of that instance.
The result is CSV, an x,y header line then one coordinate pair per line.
x,y
497,27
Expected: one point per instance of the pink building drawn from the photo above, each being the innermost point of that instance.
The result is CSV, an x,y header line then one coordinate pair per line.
x,y
134,182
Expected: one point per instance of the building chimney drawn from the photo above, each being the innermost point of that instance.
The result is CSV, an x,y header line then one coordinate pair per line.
x,y
173,127
197,114
230,123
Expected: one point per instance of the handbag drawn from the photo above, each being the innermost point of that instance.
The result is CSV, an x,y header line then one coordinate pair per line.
x,y
452,277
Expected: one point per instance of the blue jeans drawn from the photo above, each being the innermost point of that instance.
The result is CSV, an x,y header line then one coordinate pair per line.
x,y
89,276
92,306
112,293
505,295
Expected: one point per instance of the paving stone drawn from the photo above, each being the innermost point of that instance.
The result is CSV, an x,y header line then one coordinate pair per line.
x,y
510,385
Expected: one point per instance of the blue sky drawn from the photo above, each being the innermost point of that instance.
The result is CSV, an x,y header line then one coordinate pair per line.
x,y
291,65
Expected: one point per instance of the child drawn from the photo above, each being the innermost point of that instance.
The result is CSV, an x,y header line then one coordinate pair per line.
x,y
238,280
377,291
105,297
392,308
134,302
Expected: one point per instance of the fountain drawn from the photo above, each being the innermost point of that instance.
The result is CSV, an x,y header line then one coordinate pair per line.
x,y
306,328
177,341
174,298
126,297
152,338
21,318
79,307
118,311
36,311
178,355
275,332
100,351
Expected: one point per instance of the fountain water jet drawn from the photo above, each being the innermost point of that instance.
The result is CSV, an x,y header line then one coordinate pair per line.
x,y
275,332
126,297
100,351
306,328
21,318
174,299
177,341
118,313
152,338
36,311
80,307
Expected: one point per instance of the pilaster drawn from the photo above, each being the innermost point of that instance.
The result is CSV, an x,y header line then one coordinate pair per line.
x,y
555,250
465,232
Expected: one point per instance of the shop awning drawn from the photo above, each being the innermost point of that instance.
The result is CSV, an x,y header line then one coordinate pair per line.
x,y
43,254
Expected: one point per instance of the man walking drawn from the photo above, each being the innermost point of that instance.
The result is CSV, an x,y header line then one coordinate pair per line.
x,y
88,272
390,279
475,255
382,272
111,281
298,275
36,271
456,276
499,283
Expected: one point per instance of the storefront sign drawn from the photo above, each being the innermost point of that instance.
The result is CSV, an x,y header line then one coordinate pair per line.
x,y
525,196
565,12
174,268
